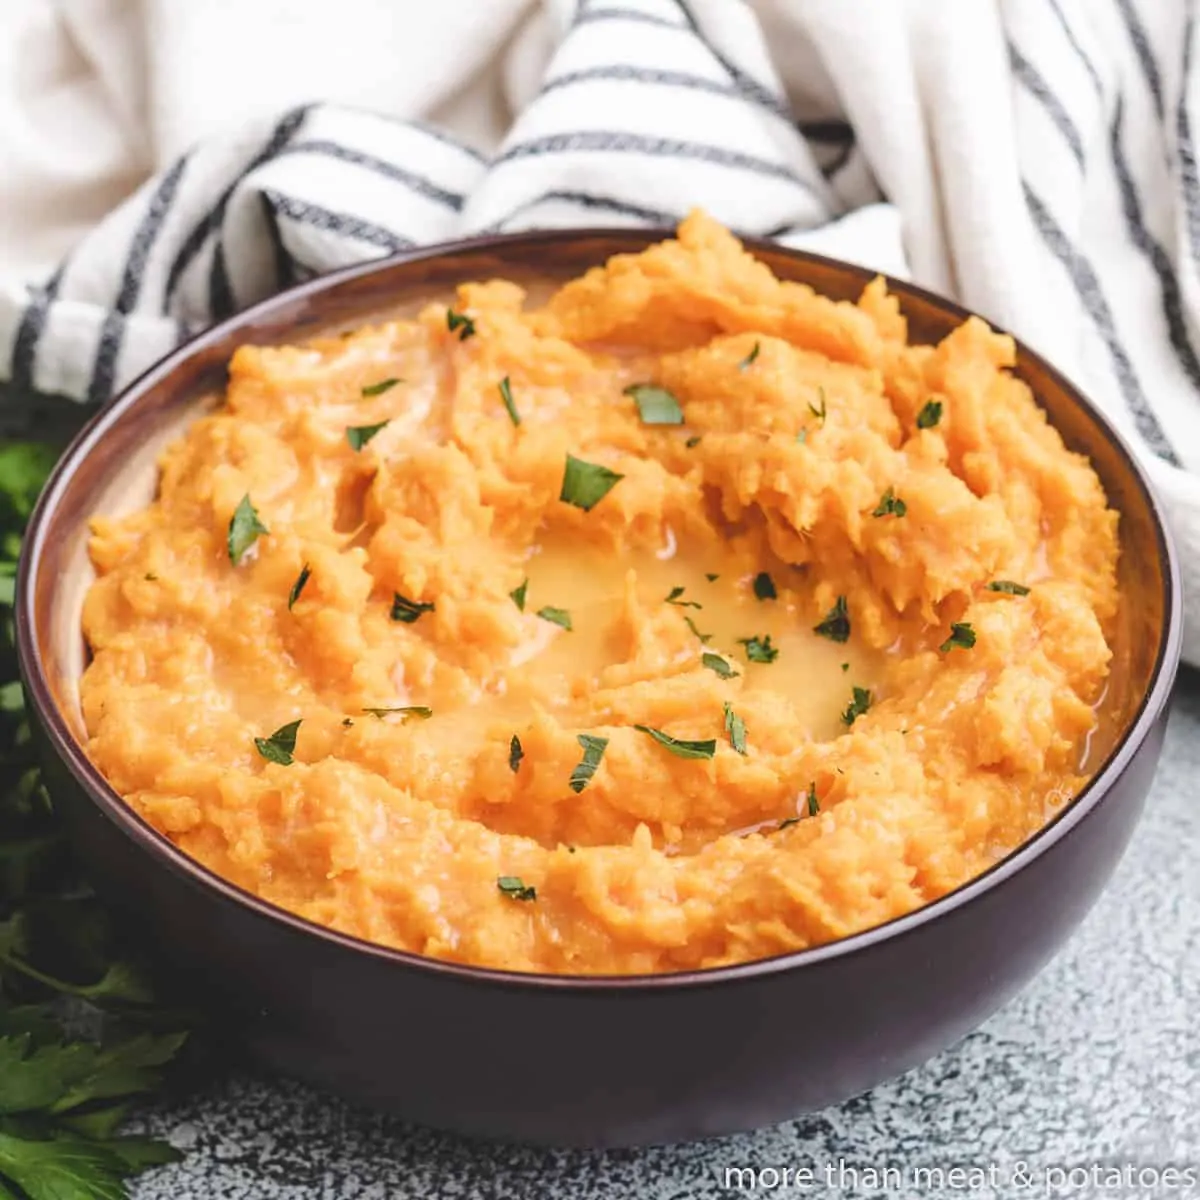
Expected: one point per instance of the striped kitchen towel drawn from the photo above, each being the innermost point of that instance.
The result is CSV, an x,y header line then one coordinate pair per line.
x,y
1034,158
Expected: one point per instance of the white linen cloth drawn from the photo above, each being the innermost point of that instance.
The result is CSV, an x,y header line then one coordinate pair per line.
x,y
1034,159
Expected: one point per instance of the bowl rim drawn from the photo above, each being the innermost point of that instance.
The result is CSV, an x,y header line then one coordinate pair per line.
x,y
111,806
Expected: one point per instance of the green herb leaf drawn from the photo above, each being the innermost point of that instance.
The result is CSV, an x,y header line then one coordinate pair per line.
x,y
962,635
556,616
718,665
836,625
377,389
764,586
759,649
693,441
61,1168
819,413
786,822
890,505
858,705
460,322
736,728
407,710
1008,587
359,435
845,666
704,637
515,888
593,752
408,611
298,586
749,359
518,594
515,754
674,598
585,484
244,530
679,747
711,578
814,805
930,414
279,747
656,405
507,397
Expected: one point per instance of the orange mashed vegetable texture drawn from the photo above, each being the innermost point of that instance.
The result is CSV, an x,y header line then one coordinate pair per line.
x,y
795,580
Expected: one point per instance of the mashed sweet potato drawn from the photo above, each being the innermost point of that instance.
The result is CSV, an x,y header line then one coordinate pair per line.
x,y
687,619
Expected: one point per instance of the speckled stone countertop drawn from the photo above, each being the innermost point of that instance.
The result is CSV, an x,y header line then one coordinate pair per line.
x,y
1095,1069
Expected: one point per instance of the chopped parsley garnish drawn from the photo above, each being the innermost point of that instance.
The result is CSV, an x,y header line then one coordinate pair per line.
x,y
460,323
506,396
406,710
718,665
857,706
704,637
518,594
585,484
836,625
556,616
759,649
515,754
515,888
407,610
961,635
244,530
749,359
786,822
819,413
359,435
674,598
814,805
930,414
656,406
1008,587
845,666
593,752
711,578
279,747
149,577
678,746
298,586
693,441
890,505
377,389
764,586
736,728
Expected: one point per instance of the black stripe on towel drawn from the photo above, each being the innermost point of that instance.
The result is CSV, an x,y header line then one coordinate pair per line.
x,y
624,14
421,184
1186,145
592,203
1145,55
108,349
1080,52
1037,87
1091,295
342,224
29,332
195,240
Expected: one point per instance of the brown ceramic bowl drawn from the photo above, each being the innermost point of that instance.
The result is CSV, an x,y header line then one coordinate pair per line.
x,y
593,1061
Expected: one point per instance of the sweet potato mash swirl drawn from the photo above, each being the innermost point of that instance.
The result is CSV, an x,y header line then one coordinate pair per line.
x,y
810,633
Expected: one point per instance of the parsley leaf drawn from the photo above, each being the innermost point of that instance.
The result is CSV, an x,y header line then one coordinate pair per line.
x,y
749,359
1008,587
279,747
890,505
858,705
814,805
556,616
409,611
406,710
819,413
930,414
460,322
585,484
359,435
836,625
704,637
656,406
759,649
764,586
674,598
506,396
377,389
718,665
693,441
515,888
679,747
244,530
961,635
298,586
518,594
593,752
515,754
736,728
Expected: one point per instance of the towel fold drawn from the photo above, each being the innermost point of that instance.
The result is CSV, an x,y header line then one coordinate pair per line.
x,y
1033,158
